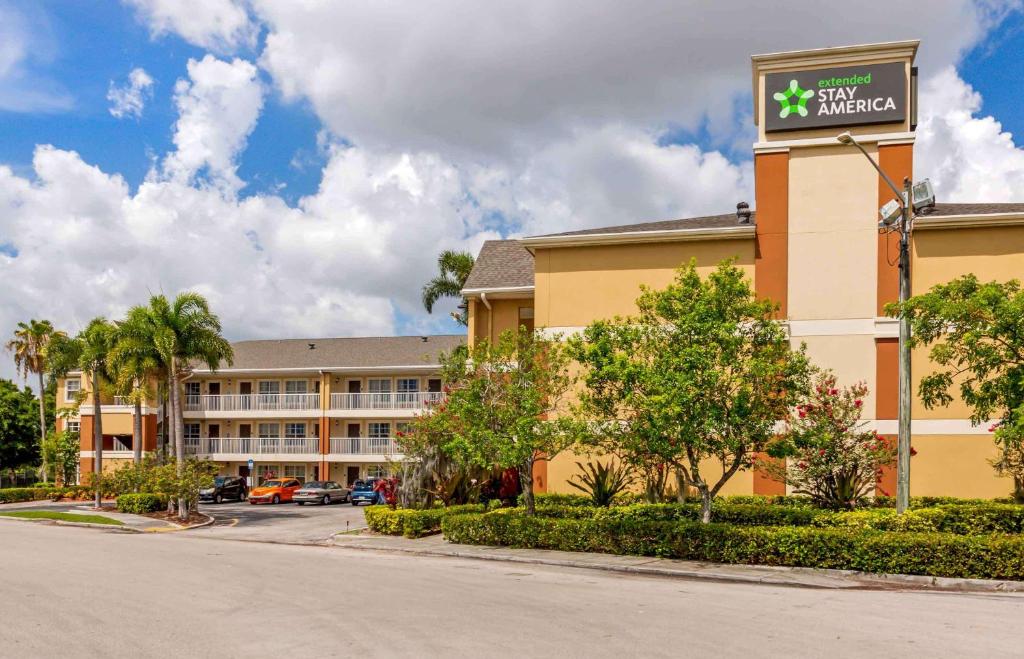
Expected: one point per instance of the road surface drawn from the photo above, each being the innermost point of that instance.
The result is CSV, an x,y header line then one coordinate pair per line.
x,y
73,592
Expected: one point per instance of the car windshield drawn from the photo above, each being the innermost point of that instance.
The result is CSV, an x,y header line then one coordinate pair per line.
x,y
314,485
220,480
364,487
273,483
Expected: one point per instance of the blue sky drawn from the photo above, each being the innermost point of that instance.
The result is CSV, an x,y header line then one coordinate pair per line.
x,y
302,165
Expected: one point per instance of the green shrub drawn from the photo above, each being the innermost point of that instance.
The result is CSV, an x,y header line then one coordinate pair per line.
x,y
933,554
412,522
551,499
16,494
141,503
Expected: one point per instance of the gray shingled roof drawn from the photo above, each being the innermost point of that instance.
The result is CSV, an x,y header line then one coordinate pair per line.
x,y
706,222
356,352
974,209
501,264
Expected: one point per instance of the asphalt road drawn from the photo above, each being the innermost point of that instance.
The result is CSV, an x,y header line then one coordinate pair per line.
x,y
285,522
74,592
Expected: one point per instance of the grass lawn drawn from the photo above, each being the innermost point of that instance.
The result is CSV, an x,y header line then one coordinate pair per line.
x,y
64,517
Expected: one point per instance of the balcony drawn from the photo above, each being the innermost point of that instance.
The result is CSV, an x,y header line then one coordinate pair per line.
x,y
253,403
413,400
252,446
364,446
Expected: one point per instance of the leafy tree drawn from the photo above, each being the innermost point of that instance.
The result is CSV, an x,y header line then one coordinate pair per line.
x,y
135,360
602,482
29,346
19,427
62,450
831,456
453,269
502,406
89,352
181,333
702,372
976,334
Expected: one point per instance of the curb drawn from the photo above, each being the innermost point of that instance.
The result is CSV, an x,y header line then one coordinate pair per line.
x,y
786,576
122,528
178,527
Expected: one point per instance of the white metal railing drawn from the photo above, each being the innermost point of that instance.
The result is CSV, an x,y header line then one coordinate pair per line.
x,y
252,445
401,400
251,402
363,445
118,445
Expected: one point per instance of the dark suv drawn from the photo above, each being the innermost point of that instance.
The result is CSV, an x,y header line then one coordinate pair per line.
x,y
225,487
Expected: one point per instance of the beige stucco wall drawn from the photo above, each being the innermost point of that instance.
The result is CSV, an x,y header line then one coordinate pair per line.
x,y
850,357
577,285
956,465
832,234
502,316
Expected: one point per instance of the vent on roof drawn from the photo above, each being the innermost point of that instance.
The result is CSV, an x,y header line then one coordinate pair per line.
x,y
312,346
424,339
743,212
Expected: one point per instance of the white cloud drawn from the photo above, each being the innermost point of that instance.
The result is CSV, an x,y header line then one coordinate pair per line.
x,y
967,156
129,99
222,26
25,44
217,110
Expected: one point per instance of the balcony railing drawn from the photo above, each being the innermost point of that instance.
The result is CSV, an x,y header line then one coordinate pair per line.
x,y
363,445
384,401
252,445
252,402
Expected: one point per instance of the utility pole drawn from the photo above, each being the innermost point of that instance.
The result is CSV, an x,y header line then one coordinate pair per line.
x,y
903,441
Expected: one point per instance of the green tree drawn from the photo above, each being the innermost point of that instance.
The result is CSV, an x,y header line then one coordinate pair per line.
x,y
62,450
19,427
702,372
135,361
29,346
976,334
453,269
502,406
181,332
89,352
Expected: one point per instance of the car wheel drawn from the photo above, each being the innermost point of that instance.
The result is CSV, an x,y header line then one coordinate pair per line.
x,y
301,503
355,503
326,500
218,499
276,499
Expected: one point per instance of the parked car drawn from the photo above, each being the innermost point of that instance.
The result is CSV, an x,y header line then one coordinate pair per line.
x,y
362,492
325,492
275,490
225,487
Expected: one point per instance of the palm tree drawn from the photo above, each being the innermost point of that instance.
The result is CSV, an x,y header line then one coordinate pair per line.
x,y
181,333
134,362
90,352
29,346
453,270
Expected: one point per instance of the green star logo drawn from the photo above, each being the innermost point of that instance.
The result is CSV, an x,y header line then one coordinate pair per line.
x,y
793,99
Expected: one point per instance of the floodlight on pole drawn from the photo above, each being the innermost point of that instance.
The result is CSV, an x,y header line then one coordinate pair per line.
x,y
889,217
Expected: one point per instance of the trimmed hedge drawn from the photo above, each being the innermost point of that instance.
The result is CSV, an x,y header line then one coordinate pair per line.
x,y
17,494
932,554
141,503
412,522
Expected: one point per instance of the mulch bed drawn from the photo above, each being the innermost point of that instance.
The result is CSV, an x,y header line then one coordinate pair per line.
x,y
193,518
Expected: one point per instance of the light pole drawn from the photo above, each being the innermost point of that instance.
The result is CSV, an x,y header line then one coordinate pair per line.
x,y
903,197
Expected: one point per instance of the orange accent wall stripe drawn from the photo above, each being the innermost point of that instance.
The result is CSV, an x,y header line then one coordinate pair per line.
x,y
897,161
771,199
764,485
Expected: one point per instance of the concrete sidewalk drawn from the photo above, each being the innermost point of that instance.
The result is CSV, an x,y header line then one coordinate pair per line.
x,y
130,522
800,577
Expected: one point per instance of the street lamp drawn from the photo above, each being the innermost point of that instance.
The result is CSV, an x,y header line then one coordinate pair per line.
x,y
904,218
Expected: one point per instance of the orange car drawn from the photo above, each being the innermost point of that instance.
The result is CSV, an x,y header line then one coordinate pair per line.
x,y
274,490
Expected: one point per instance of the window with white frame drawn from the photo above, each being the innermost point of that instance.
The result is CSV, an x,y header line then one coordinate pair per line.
x,y
377,471
192,389
269,429
408,385
191,431
378,385
266,472
295,387
294,430
71,388
378,430
74,427
295,471
269,387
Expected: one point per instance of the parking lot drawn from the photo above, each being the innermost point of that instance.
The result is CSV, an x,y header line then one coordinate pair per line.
x,y
285,522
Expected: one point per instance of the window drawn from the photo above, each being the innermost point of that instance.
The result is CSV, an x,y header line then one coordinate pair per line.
x,y
402,428
295,471
269,430
270,388
191,431
377,471
74,427
71,388
379,386
294,430
266,472
295,387
192,389
408,385
377,430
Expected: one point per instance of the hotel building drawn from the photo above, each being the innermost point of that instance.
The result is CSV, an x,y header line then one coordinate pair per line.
x,y
329,408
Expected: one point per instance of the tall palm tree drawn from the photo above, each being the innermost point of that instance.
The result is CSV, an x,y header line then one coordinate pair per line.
x,y
89,351
182,333
29,346
134,363
453,269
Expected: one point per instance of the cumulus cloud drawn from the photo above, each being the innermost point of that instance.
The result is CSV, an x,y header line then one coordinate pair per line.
x,y
222,26
217,110
129,99
967,156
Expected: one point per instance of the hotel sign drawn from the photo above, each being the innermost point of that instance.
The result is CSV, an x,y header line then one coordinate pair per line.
x,y
839,96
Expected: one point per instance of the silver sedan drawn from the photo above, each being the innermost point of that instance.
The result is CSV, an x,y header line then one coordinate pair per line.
x,y
325,492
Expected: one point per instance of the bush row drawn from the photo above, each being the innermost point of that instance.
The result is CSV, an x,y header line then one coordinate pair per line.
x,y
412,522
141,503
958,519
932,554
774,500
16,494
